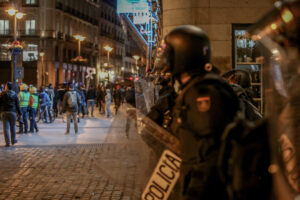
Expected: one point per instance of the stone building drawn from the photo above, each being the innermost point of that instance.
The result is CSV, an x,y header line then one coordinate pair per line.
x,y
135,45
118,33
217,18
111,34
48,27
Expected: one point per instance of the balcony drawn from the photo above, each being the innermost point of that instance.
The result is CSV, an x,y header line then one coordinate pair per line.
x,y
5,33
29,33
30,4
4,3
60,36
69,38
59,6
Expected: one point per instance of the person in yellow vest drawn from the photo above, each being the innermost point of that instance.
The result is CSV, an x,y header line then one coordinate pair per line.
x,y
33,105
24,101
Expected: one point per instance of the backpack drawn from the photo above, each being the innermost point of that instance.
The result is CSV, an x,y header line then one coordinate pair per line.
x,y
72,99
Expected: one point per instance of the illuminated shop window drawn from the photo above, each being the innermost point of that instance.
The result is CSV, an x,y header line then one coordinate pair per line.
x,y
30,53
247,56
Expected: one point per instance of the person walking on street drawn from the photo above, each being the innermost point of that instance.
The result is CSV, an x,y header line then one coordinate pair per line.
x,y
10,107
117,98
33,105
44,101
91,96
83,101
70,107
108,103
102,100
123,94
24,101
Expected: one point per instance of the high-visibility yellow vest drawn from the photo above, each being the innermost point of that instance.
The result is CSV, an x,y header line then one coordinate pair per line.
x,y
24,99
35,101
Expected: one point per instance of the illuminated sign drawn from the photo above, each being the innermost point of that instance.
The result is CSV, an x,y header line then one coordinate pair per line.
x,y
141,13
128,6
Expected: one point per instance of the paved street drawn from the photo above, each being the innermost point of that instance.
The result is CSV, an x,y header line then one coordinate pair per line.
x,y
99,163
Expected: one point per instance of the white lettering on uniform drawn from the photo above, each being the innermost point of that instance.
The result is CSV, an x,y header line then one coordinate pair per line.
x,y
163,178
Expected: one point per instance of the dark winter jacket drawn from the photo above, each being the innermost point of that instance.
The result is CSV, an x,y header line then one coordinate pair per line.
x,y
9,102
91,94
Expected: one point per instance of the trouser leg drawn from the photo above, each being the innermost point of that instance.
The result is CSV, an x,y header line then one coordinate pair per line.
x,y
75,122
25,119
92,104
12,122
68,121
5,128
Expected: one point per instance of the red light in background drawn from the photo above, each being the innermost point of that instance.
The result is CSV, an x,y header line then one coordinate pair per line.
x,y
130,78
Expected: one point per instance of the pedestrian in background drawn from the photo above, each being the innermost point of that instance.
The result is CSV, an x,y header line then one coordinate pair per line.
x,y
83,101
10,107
108,100
70,107
33,105
55,100
44,101
102,100
117,98
123,94
24,101
91,96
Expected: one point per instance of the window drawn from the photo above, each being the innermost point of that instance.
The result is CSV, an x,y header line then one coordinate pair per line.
x,y
30,2
247,56
4,27
30,27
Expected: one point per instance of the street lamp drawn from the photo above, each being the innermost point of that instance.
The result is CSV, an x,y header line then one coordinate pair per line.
x,y
136,58
15,51
42,54
17,15
80,38
108,49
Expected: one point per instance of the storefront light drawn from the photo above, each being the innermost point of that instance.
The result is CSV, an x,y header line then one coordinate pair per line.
x,y
273,26
287,16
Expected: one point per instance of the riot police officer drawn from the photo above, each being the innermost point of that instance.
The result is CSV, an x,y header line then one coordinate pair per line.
x,y
205,105
24,96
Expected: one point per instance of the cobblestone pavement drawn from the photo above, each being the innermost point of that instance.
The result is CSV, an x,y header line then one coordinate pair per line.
x,y
107,170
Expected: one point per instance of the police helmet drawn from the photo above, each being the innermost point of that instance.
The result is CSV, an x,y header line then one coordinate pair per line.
x,y
186,49
238,76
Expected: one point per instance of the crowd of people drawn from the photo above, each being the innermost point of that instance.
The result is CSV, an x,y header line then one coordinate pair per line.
x,y
25,104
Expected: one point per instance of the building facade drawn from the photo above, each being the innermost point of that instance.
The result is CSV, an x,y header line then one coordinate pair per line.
x,y
217,18
112,35
47,31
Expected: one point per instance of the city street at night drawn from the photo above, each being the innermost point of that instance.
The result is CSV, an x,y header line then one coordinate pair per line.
x,y
149,99
52,165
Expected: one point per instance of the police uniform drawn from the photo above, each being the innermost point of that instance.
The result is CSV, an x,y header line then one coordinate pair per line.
x,y
205,106
202,112
24,96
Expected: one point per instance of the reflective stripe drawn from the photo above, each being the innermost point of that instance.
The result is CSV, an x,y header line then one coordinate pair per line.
x,y
35,101
24,99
